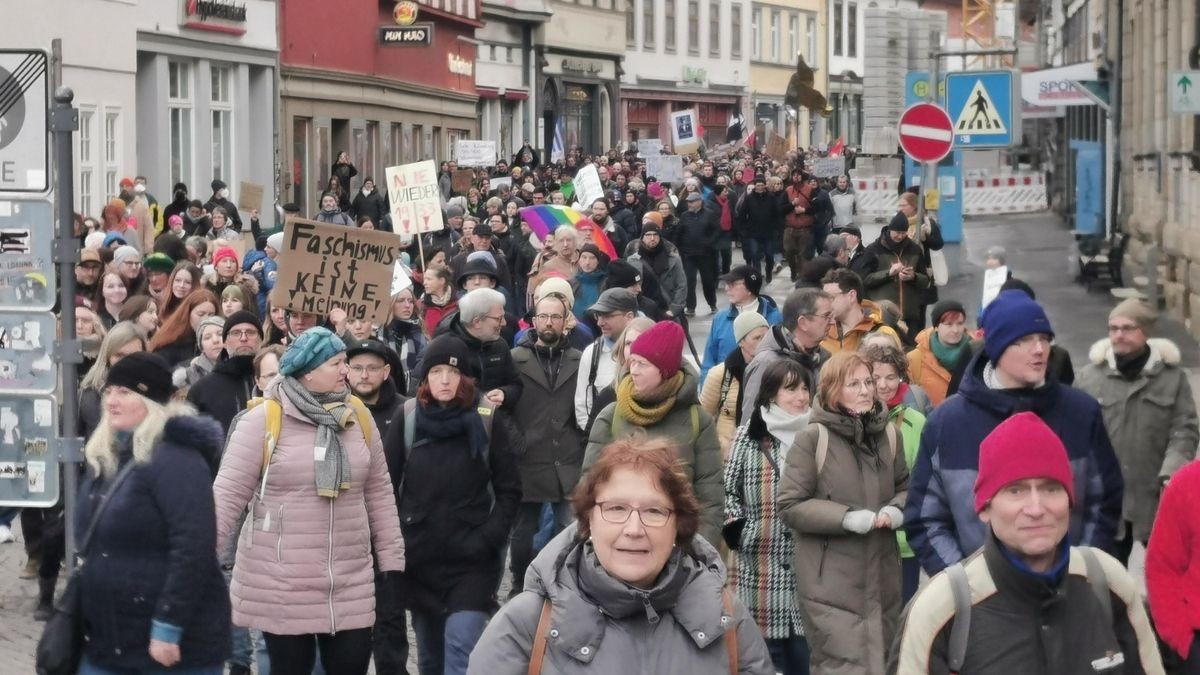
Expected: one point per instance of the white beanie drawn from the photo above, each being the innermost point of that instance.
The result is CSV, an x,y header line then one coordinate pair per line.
x,y
94,240
275,241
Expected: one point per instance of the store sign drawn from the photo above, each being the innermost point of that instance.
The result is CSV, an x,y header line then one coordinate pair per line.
x,y
405,13
460,66
222,16
696,76
417,35
1055,87
585,66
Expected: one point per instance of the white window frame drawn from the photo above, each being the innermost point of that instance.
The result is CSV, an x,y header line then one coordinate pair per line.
x,y
183,104
87,159
793,35
110,149
776,29
220,103
756,33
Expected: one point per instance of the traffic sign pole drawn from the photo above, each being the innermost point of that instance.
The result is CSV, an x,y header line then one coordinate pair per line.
x,y
928,169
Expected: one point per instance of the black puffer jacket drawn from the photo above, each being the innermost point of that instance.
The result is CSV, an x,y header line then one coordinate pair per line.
x,y
223,393
698,232
759,216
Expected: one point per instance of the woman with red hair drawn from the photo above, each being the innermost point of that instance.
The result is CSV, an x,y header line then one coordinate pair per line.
x,y
176,340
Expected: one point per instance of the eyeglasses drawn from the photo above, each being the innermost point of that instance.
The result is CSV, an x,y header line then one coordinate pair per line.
x,y
1124,329
499,319
825,318
242,334
131,263
549,317
374,370
618,514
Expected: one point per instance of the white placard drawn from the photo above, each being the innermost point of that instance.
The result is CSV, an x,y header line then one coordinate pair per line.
x,y
665,168
685,134
587,186
825,167
649,147
475,153
415,198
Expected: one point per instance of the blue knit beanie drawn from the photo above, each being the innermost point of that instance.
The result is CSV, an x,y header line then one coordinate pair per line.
x,y
1010,317
314,347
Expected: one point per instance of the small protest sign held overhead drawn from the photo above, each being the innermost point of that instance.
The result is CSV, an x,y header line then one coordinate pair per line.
x,y
665,168
250,197
416,202
685,132
325,266
475,153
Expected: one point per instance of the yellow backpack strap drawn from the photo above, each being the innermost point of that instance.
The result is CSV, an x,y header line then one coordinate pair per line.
x,y
891,436
273,425
362,416
695,423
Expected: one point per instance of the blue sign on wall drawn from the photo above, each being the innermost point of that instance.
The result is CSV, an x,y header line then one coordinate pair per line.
x,y
982,107
949,183
1089,187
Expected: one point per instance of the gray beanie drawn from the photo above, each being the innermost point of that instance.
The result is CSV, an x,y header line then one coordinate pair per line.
x,y
213,320
125,254
746,322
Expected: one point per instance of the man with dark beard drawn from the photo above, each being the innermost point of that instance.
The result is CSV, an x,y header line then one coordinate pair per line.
x,y
223,393
371,363
551,465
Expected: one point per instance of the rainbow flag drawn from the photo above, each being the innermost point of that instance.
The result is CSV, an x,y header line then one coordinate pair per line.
x,y
545,218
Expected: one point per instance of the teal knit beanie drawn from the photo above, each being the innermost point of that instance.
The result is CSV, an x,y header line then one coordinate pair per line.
x,y
314,347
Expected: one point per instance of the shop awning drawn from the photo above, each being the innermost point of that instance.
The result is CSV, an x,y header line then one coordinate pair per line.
x,y
487,92
516,95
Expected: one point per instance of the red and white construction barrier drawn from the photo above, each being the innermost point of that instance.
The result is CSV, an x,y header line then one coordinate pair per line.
x,y
877,196
1018,192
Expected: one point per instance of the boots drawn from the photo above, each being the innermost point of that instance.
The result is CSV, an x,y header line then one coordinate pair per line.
x,y
45,606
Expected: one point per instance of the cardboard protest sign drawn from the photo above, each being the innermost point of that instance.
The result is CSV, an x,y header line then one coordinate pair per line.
x,y
649,147
325,266
587,186
777,148
250,197
460,181
475,153
685,136
416,202
665,168
235,241
824,167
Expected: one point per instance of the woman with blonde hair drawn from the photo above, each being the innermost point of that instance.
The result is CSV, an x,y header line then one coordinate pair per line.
x,y
123,339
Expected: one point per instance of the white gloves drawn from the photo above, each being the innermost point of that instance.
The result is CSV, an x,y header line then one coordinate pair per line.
x,y
858,522
893,513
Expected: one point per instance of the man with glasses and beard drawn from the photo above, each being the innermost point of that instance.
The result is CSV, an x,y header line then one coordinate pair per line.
x,y
550,468
223,393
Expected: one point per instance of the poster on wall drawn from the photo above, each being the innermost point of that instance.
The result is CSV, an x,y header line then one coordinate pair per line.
x,y
685,135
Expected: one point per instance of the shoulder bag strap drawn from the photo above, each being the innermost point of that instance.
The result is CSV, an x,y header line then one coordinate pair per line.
x,y
726,381
1099,582
731,641
539,640
961,628
103,505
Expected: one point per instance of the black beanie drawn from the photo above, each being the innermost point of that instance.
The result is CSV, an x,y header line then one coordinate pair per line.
x,y
447,350
899,223
145,373
241,316
622,274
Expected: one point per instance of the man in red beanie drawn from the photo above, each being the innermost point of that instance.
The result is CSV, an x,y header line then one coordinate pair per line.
x,y
1027,597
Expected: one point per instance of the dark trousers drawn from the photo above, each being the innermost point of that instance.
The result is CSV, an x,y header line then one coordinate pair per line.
x,y
789,655
796,241
706,265
521,548
389,641
1123,547
346,652
910,576
445,641
725,248
756,249
45,538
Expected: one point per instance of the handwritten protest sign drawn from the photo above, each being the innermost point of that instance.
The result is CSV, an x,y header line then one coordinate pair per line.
x,y
475,153
587,186
649,147
824,167
325,266
777,148
250,197
416,202
460,181
665,168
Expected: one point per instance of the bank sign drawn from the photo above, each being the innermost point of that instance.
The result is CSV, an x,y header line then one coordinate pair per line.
x,y
220,16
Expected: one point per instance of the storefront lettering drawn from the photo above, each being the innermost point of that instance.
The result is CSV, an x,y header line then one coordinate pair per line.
x,y
216,9
460,66
585,66
694,75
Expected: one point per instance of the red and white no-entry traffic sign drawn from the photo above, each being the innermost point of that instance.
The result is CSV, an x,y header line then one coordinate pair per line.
x,y
926,132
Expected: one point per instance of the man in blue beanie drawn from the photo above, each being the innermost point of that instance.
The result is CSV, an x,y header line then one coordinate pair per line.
x,y
1007,377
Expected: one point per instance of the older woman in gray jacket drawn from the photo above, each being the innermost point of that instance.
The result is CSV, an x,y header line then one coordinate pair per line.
x,y
629,588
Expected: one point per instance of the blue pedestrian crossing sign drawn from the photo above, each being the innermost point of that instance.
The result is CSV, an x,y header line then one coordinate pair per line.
x,y
983,108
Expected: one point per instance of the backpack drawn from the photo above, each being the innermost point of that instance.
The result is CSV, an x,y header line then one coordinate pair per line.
x,y
823,443
961,627
487,413
695,414
274,423
538,653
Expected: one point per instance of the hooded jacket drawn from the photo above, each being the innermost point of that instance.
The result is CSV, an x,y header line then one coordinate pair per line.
x,y
776,344
151,558
671,283
334,217
880,284
925,370
699,452
848,584
759,215
721,339
1151,420
304,562
223,393
599,624
940,517
837,341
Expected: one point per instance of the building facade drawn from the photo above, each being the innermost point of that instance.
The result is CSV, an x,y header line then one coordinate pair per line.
x,y
504,72
683,54
779,30
579,52
351,81
846,66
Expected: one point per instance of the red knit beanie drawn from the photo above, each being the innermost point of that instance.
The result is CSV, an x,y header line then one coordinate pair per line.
x,y
222,253
1023,446
662,345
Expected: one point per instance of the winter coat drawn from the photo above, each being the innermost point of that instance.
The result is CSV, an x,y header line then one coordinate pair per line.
x,y
265,276
765,581
587,287
153,556
89,412
925,370
231,210
698,232
698,447
456,511
343,172
798,196
882,285
776,344
678,626
493,363
334,217
304,562
1058,366
1151,421
434,313
844,207
180,352
862,262
1023,624
849,341
909,422
723,411
940,518
223,393
848,584
721,339
369,205
1172,572
385,407
759,216
553,456
408,340
673,283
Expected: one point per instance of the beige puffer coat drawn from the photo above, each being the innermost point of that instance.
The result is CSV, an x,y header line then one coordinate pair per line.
x,y
304,562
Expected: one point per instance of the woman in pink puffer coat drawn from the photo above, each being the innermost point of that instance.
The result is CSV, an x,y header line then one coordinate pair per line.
x,y
304,571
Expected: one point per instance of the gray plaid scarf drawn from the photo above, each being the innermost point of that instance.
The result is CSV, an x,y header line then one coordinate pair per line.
x,y
331,414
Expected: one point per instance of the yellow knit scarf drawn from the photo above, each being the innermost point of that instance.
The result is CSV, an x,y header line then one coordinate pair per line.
x,y
648,408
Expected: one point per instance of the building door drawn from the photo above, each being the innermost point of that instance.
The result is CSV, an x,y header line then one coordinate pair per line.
x,y
579,118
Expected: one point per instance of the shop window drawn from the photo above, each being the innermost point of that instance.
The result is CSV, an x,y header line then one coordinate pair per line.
x,y
838,23
417,145
735,30
648,25
811,56
86,192
221,105
852,30
669,21
301,130
714,28
775,28
693,24
756,33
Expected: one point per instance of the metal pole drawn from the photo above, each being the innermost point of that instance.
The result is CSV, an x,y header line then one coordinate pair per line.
x,y
928,169
64,121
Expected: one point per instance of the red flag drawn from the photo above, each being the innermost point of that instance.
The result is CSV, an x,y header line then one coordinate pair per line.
x,y
837,148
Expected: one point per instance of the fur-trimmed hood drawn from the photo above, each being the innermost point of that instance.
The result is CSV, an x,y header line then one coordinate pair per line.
x,y
1162,351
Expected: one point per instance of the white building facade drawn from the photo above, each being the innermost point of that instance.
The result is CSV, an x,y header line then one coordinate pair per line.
x,y
504,72
846,66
